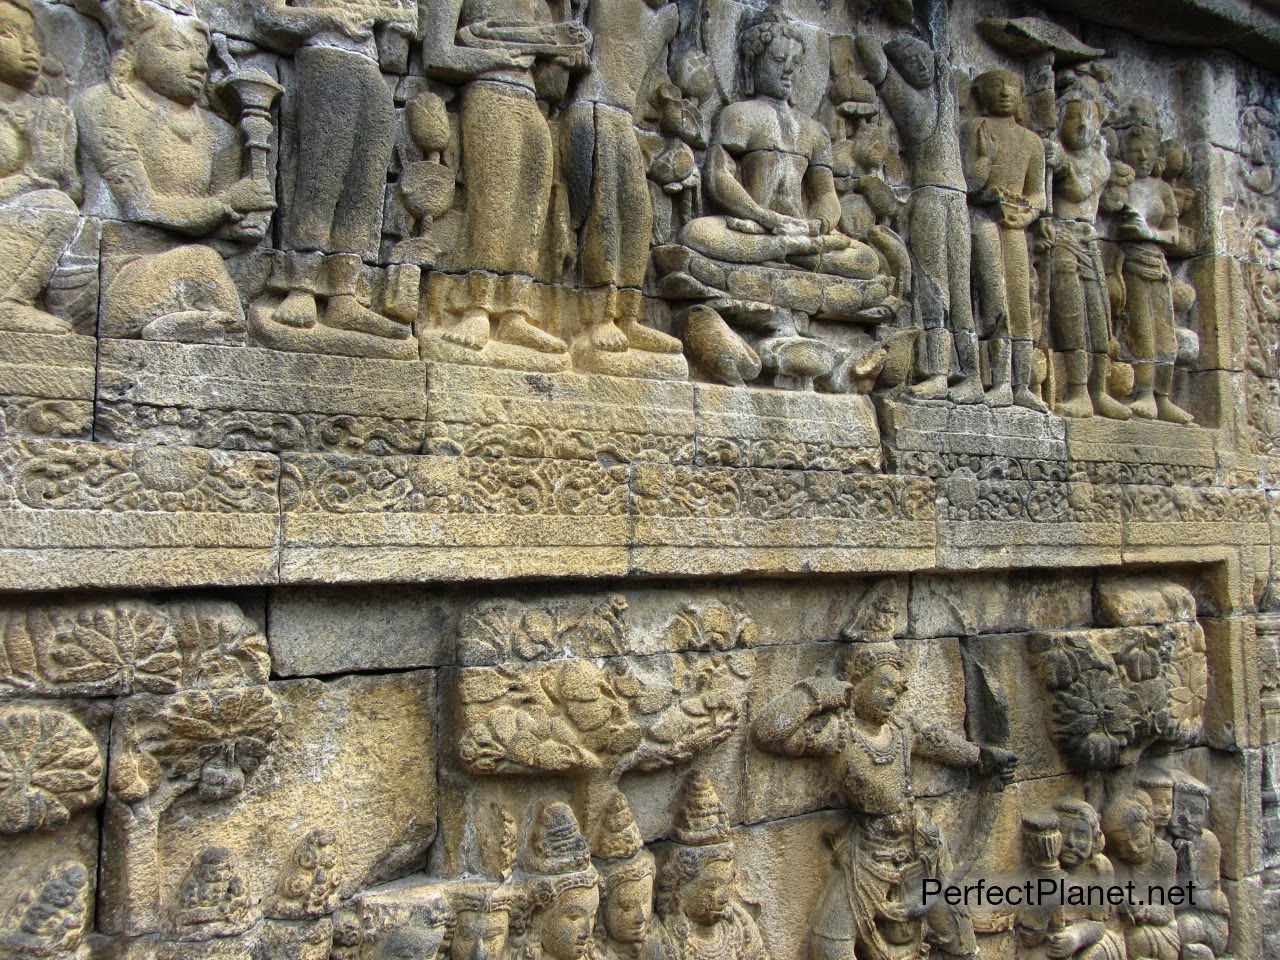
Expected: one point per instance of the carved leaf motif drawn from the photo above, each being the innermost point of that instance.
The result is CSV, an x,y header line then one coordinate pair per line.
x,y
50,768
130,642
220,647
221,735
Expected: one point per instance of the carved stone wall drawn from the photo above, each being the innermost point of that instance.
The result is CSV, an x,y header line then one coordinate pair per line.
x,y
654,479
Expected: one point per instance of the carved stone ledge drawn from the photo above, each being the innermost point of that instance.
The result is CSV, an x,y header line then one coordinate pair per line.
x,y
46,385
246,398
81,514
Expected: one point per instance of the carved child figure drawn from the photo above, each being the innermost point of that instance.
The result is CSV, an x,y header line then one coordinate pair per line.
x,y
626,886
39,187
562,893
1149,229
1203,927
915,88
157,157
701,919
1005,169
1150,931
483,922
1080,307
1082,933
865,909
213,897
769,169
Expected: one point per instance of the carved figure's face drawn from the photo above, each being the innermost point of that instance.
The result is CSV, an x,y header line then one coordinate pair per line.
x,y
1077,842
1161,805
214,872
480,936
878,693
774,71
1190,812
706,897
1142,148
1000,92
1133,842
19,48
628,908
174,62
568,924
411,943
914,61
1081,125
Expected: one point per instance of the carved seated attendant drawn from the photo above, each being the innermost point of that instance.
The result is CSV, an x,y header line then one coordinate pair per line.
x,y
1204,927
700,918
769,169
212,901
1150,930
156,157
626,886
38,182
561,892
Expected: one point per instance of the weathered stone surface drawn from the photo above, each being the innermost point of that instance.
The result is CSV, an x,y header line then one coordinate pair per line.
x,y
635,479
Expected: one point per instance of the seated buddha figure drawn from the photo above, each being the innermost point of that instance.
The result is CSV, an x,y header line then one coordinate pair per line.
x,y
770,171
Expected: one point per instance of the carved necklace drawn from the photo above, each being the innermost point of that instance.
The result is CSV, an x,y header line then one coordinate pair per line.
x,y
728,942
880,755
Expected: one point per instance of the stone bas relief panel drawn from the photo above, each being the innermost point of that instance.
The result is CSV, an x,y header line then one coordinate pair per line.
x,y
728,770
244,201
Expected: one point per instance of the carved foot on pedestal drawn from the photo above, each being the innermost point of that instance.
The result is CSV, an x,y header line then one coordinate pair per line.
x,y
197,326
711,344
515,329
1170,412
968,390
606,336
1000,395
1024,398
22,318
347,313
471,332
640,337
297,310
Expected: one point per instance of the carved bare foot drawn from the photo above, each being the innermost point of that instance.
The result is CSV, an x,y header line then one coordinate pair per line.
x,y
1170,412
1076,404
22,318
345,312
1000,395
516,330
645,338
298,310
196,326
471,332
1104,405
606,336
934,388
1023,397
1144,406
968,390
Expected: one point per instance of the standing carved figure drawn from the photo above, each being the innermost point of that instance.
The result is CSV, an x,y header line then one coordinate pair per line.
x,y
918,94
867,909
1149,229
701,919
1079,302
1005,170
493,48
39,187
159,159
343,137
608,183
